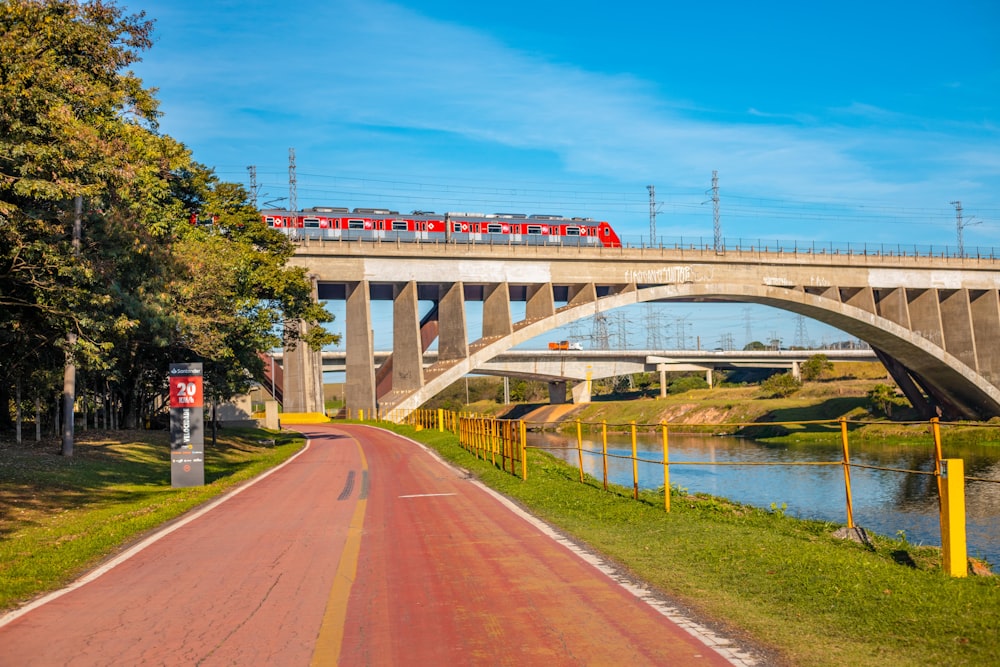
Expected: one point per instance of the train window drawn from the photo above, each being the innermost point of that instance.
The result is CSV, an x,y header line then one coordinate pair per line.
x,y
312,223
572,231
607,231
457,227
534,229
355,224
399,225
494,228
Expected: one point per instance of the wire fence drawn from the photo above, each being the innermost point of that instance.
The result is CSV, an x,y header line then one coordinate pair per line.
x,y
504,444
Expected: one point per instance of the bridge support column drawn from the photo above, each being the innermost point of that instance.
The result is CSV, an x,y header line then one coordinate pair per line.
x,y
557,392
956,321
496,312
359,385
407,350
453,336
708,377
582,392
663,382
303,375
540,303
985,305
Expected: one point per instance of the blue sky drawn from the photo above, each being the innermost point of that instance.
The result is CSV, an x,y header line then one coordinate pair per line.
x,y
827,122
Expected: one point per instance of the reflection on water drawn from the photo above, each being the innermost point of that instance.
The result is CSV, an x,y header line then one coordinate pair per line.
x,y
889,503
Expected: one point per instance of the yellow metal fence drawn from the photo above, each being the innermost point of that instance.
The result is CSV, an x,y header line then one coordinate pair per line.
x,y
504,443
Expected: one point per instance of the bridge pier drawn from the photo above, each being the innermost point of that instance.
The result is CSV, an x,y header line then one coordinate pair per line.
x,y
359,373
407,350
303,374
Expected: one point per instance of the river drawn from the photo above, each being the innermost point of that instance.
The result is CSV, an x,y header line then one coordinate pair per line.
x,y
888,503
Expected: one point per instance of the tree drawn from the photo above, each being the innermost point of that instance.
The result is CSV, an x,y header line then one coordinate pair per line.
x,y
779,386
142,287
66,114
815,366
884,398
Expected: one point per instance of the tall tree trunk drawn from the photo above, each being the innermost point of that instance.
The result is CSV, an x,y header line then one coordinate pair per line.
x,y
69,375
69,397
17,409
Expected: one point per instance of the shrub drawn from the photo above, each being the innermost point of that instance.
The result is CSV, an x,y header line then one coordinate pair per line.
x,y
779,386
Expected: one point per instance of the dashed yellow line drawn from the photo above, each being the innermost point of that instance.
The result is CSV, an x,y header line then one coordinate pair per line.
x,y
331,631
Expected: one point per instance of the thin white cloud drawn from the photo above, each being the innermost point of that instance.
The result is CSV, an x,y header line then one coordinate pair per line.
x,y
371,65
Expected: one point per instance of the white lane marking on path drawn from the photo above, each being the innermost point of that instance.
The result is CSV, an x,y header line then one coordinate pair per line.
x,y
428,495
134,550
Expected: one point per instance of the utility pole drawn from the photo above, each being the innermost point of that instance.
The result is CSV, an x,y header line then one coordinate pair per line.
x,y
717,226
652,214
960,225
253,184
293,196
748,331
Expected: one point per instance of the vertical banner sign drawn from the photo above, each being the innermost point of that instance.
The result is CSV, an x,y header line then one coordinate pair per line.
x,y
187,432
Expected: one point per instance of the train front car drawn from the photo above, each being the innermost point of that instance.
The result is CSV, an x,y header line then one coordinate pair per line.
x,y
609,238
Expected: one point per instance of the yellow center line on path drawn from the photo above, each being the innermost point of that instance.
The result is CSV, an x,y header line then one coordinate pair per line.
x,y
331,631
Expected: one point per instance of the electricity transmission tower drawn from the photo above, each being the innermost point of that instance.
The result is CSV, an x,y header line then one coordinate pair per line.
x,y
717,226
960,225
254,188
652,214
293,193
801,335
599,334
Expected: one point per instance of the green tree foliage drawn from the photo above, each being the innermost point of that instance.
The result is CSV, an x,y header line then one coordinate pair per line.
x,y
143,287
884,398
779,386
679,385
815,367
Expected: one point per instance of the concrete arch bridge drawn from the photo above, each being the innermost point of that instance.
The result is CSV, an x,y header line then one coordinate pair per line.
x,y
933,321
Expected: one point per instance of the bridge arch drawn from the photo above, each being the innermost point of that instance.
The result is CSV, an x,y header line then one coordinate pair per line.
x,y
957,388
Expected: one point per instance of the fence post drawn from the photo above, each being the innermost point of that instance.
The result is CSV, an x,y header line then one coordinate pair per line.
x,y
954,556
635,466
604,450
666,468
440,420
579,447
493,441
524,451
936,434
847,472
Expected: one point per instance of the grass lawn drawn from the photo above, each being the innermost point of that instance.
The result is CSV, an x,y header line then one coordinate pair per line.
x,y
60,516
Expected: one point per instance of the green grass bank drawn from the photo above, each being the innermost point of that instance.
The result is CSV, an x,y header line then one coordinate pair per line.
x,y
787,584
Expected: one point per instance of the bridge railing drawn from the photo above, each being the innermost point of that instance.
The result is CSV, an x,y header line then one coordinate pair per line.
x,y
707,245
797,247
504,444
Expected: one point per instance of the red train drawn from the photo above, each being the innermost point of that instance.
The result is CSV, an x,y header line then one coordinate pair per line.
x,y
498,228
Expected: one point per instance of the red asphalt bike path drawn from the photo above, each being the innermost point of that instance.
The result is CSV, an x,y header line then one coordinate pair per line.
x,y
365,549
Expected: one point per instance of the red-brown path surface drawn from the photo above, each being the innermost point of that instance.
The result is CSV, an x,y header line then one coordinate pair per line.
x,y
363,550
